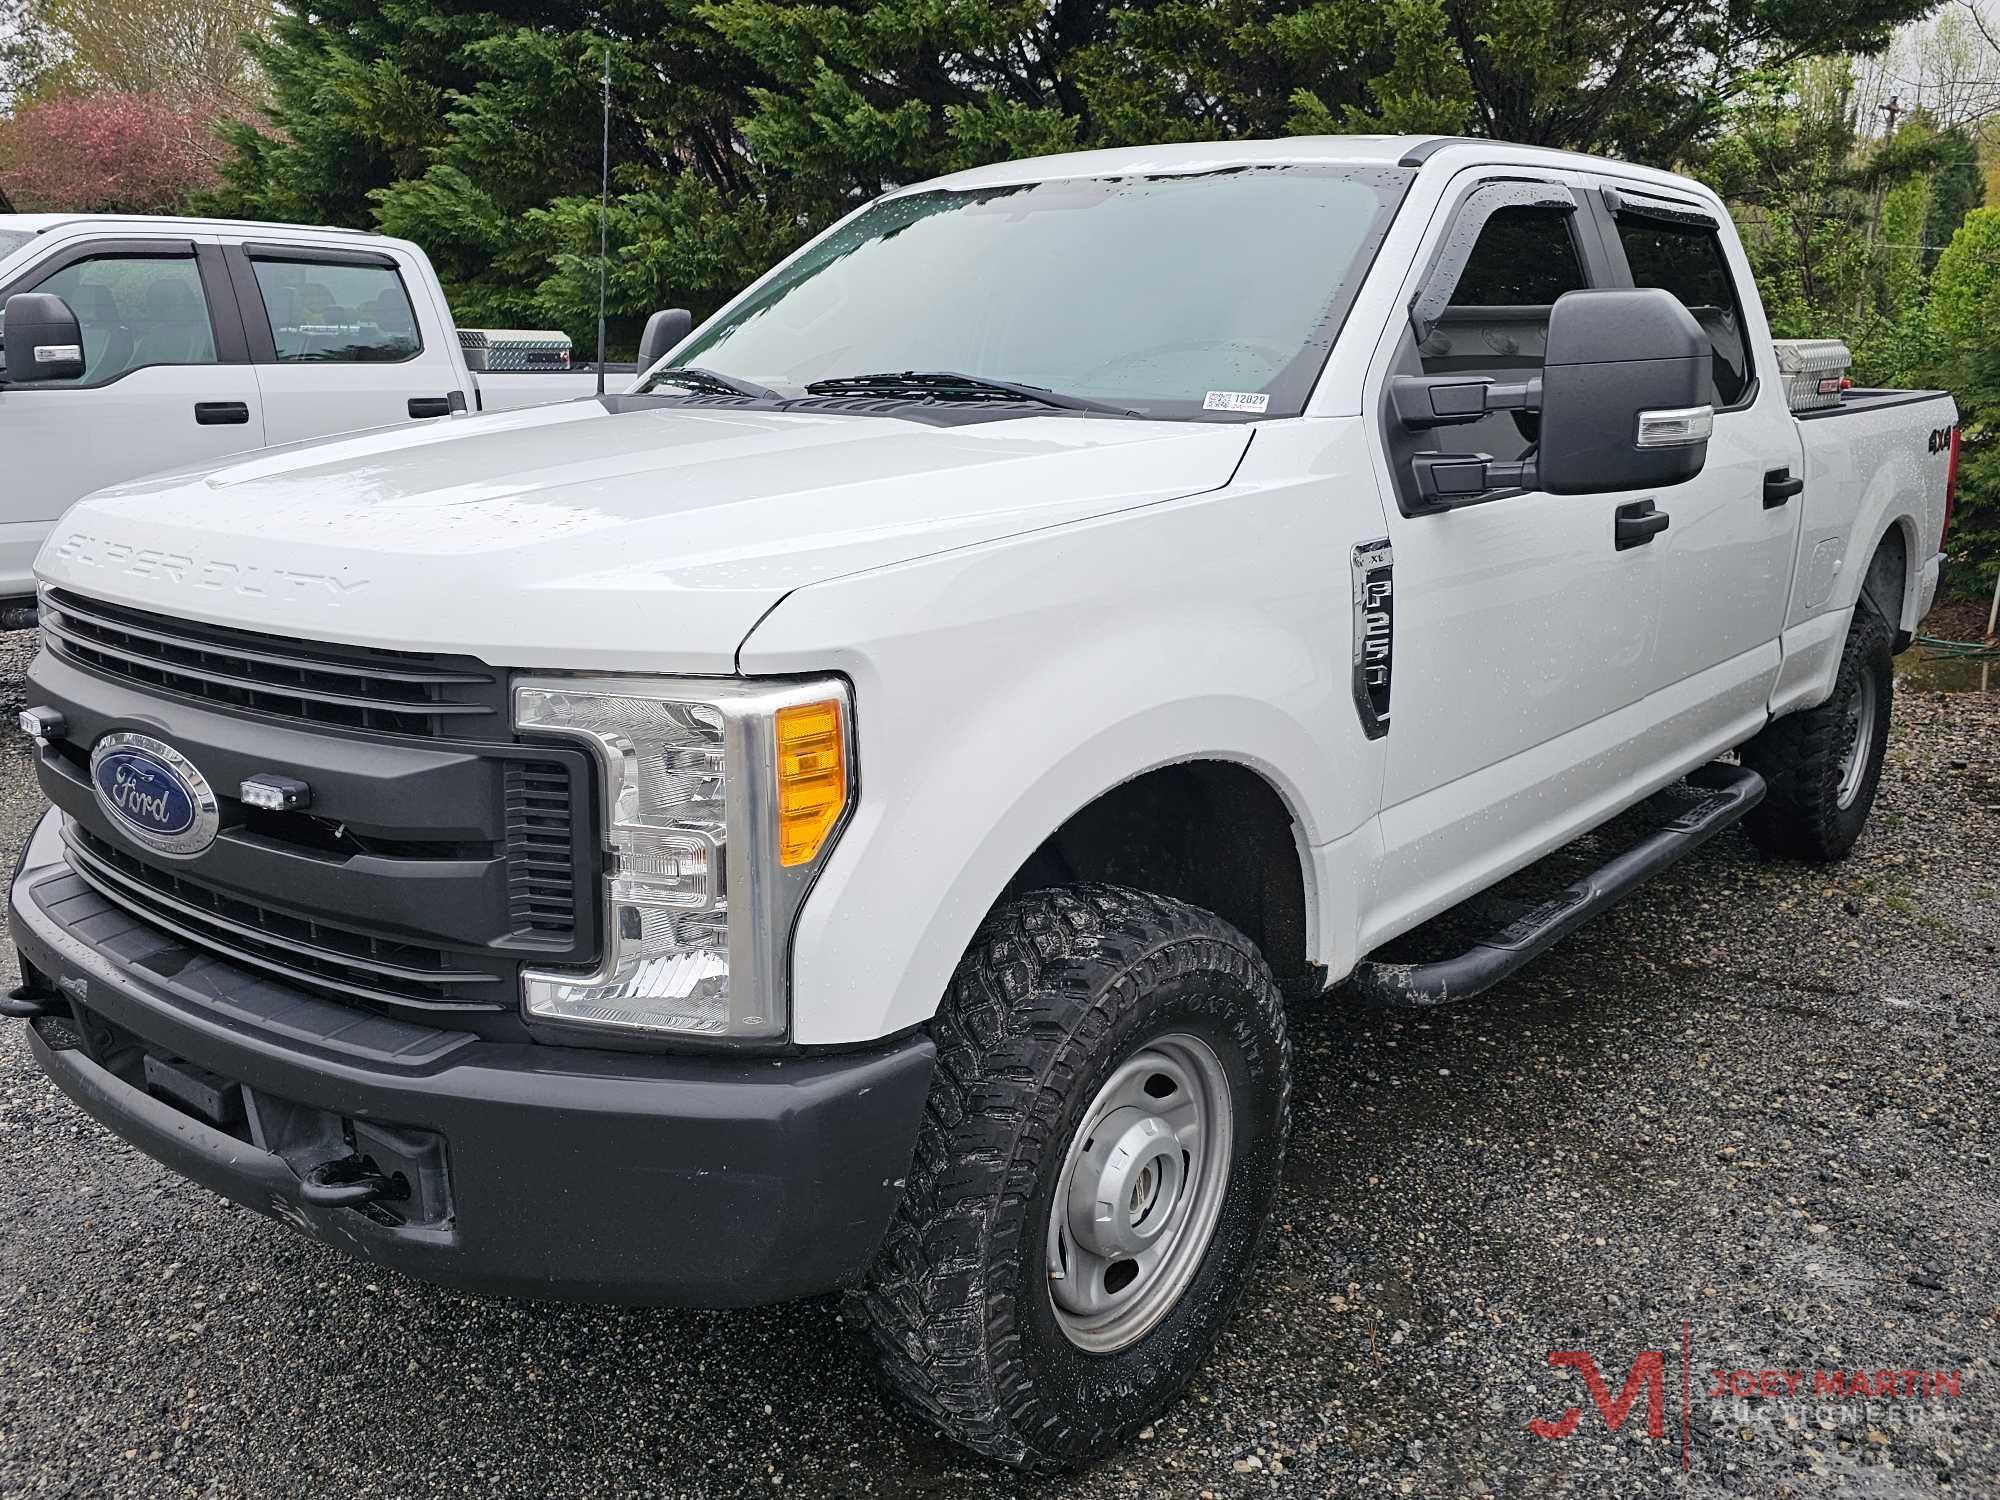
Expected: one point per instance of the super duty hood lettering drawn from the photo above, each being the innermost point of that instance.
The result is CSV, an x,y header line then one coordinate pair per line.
x,y
101,554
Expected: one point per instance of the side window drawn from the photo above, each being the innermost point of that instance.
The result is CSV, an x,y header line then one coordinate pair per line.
x,y
136,311
1687,260
1525,257
1497,322
327,313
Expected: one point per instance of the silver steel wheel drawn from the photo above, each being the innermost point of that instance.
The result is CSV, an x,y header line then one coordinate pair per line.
x,y
1860,740
1141,1188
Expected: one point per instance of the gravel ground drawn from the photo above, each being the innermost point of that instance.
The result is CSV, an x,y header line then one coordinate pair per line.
x,y
1752,1102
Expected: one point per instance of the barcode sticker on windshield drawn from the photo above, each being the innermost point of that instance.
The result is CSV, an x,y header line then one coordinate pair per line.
x,y
1235,401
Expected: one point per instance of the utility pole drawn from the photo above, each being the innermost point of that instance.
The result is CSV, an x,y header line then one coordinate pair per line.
x,y
1892,109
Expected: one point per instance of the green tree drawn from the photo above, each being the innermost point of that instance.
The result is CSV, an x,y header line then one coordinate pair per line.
x,y
507,200
1965,311
1957,187
476,133
1841,232
859,98
1644,78
1785,162
742,126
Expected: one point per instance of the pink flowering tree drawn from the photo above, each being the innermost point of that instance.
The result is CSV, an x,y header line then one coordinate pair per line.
x,y
108,152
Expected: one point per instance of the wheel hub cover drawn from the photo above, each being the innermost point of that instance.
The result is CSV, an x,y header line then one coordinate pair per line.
x,y
1126,1184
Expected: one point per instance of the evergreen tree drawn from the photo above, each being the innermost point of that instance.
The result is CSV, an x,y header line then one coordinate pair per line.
x,y
1965,311
742,126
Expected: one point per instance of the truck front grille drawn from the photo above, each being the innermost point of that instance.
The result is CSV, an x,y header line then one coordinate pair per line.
x,y
353,687
314,954
540,847
436,854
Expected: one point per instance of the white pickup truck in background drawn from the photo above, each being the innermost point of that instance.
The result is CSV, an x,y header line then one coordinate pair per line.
x,y
201,338
852,812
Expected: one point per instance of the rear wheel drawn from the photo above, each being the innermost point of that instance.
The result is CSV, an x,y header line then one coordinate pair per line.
x,y
1822,766
1097,1163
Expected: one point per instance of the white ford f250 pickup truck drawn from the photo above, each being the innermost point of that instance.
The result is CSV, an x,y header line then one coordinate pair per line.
x,y
184,341
843,814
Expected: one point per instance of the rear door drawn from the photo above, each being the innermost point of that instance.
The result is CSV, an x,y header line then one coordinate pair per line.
x,y
338,339
167,382
1727,560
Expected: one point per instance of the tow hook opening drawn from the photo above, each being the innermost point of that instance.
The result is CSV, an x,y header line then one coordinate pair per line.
x,y
352,1181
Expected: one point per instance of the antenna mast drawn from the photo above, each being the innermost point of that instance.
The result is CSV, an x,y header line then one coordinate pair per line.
x,y
603,214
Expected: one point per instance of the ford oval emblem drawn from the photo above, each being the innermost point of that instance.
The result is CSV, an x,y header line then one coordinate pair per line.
x,y
154,794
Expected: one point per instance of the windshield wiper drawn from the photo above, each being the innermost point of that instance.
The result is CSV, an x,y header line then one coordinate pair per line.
x,y
697,379
949,385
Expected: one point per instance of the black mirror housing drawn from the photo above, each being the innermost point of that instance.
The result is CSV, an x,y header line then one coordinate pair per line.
x,y
664,329
1425,401
44,340
1625,393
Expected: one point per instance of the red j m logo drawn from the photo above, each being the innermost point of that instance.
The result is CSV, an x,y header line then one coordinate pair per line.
x,y
1648,1373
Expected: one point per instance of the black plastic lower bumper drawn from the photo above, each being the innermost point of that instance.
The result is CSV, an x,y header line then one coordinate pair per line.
x,y
525,1169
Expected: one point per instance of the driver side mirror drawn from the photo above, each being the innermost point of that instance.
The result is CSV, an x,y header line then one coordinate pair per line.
x,y
664,329
1623,399
44,340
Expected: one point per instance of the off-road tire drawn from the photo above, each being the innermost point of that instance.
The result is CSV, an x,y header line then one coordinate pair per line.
x,y
1799,757
1057,989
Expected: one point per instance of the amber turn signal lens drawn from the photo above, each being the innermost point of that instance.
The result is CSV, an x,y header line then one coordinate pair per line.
x,y
812,779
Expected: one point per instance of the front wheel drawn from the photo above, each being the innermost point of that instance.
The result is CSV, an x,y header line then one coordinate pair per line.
x,y
1821,767
1097,1163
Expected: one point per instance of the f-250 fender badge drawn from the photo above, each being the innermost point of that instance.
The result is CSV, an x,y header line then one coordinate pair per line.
x,y
1374,567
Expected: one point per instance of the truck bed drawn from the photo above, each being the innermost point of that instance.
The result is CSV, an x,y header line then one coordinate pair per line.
x,y
1871,398
1891,448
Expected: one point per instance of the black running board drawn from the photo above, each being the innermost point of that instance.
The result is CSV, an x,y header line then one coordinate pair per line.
x,y
1731,791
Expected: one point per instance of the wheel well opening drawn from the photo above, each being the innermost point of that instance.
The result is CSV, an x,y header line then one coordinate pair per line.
x,y
1211,833
1888,575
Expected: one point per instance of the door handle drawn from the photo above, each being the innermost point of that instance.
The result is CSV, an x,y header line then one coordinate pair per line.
x,y
1780,486
222,413
1638,523
430,406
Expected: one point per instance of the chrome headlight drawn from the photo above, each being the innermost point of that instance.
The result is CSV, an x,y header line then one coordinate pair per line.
x,y
721,800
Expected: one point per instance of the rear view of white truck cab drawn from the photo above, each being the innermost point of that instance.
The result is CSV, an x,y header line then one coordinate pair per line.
x,y
195,339
850,813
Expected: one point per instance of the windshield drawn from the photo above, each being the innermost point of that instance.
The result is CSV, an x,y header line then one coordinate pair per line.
x,y
12,240
1215,294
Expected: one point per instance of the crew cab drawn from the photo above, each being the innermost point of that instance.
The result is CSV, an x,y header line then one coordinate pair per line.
x,y
186,341
850,812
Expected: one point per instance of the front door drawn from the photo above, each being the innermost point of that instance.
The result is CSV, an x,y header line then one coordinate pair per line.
x,y
166,384
1524,637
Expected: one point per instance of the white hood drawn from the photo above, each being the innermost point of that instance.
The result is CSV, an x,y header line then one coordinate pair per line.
x,y
567,536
